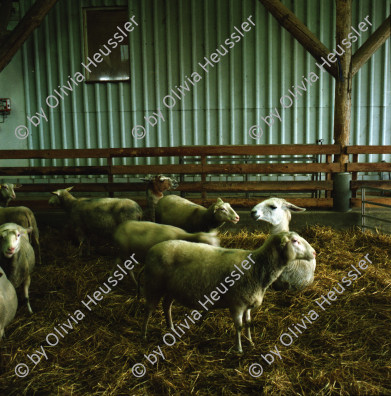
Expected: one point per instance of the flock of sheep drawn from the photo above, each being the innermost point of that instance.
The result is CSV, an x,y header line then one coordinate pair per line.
x,y
181,253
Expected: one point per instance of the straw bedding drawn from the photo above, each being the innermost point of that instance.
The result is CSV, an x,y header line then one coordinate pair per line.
x,y
345,351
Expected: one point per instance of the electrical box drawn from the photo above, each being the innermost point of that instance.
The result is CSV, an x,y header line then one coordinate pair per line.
x,y
5,107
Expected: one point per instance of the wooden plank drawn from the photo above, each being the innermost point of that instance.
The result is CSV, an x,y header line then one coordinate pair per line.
x,y
185,186
288,20
343,83
31,20
203,177
354,185
256,186
356,202
235,202
226,168
373,43
268,149
369,167
54,170
82,187
287,168
360,149
55,153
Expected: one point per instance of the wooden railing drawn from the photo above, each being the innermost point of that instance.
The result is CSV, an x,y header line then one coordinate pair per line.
x,y
355,166
321,157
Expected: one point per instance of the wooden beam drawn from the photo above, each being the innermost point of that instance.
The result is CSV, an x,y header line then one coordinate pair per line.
x,y
266,149
343,85
39,204
360,149
185,186
369,167
288,20
386,184
22,31
375,41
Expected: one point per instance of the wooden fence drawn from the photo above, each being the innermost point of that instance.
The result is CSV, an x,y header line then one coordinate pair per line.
x,y
316,160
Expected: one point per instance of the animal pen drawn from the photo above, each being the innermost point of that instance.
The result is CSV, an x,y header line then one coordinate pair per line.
x,y
285,103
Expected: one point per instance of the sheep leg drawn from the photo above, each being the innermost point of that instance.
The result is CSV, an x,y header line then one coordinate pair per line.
x,y
37,247
151,306
167,303
81,238
237,316
247,323
26,293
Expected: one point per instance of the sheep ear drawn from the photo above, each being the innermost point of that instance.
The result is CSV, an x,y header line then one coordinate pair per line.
x,y
18,185
219,201
284,240
294,208
69,188
57,192
28,230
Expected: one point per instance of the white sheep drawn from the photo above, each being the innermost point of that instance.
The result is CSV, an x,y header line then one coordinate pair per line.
x,y
7,193
277,212
17,256
182,213
25,218
95,216
155,189
8,302
190,272
139,236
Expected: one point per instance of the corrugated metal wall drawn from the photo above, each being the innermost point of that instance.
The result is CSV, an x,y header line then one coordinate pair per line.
x,y
246,85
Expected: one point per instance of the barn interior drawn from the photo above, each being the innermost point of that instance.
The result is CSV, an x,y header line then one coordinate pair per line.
x,y
242,100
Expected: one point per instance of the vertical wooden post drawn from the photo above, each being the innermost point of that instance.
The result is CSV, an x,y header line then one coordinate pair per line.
x,y
110,178
203,177
329,160
354,176
343,86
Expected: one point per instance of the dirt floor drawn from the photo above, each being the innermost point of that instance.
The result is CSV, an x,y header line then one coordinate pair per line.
x,y
342,349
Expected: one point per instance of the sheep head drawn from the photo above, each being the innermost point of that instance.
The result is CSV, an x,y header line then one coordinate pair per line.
x,y
293,246
160,183
7,191
58,196
10,235
224,212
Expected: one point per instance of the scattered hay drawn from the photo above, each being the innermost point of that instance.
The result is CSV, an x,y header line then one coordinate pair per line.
x,y
345,351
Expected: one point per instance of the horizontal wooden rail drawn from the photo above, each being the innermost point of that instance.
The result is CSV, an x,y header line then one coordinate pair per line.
x,y
369,167
235,202
368,149
267,149
225,168
185,186
356,184
54,170
190,169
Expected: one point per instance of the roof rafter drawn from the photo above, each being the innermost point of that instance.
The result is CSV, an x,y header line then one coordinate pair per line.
x,y
33,18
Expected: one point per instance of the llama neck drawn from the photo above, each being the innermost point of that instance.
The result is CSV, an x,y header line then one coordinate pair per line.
x,y
283,226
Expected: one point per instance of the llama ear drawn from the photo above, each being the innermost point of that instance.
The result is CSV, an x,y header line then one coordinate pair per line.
x,y
293,208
